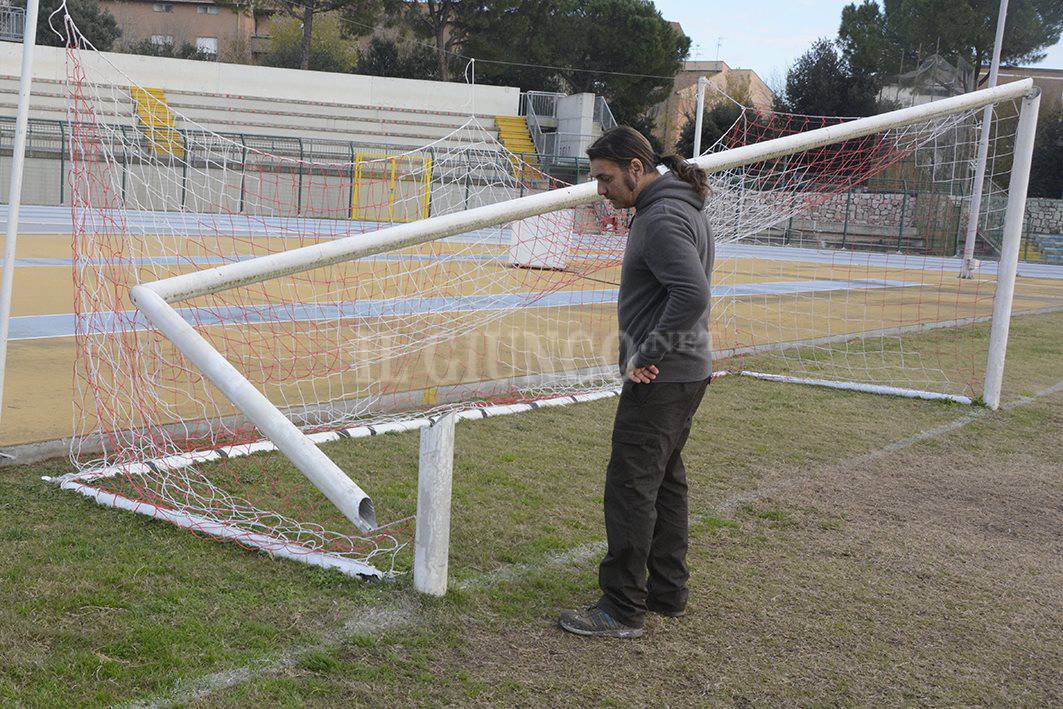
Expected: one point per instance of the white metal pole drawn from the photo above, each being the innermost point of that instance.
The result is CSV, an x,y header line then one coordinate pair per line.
x,y
14,193
431,544
326,476
967,267
702,83
1009,250
326,253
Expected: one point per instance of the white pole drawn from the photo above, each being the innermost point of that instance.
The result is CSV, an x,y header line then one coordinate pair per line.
x,y
274,546
967,267
431,544
326,476
14,193
1009,250
702,83
326,253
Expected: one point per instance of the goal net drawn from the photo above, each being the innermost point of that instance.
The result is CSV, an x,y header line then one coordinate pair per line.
x,y
361,290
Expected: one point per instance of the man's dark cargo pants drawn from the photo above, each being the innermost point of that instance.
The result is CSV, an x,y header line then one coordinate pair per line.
x,y
646,500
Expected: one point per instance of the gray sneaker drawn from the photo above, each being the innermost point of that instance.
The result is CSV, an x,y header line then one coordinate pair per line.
x,y
595,622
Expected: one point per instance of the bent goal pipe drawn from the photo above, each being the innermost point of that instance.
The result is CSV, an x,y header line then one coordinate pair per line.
x,y
155,299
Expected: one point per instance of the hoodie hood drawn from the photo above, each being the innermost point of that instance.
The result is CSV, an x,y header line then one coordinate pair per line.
x,y
668,186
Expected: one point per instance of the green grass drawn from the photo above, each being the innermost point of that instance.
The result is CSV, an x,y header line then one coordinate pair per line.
x,y
928,575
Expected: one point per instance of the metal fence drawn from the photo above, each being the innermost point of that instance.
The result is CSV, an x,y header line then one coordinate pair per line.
x,y
603,115
262,174
545,143
12,23
543,103
239,173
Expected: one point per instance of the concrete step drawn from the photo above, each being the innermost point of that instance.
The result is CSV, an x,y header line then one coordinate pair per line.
x,y
318,126
9,84
264,117
363,133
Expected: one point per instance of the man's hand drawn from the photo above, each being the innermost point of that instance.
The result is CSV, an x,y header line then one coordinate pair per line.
x,y
643,375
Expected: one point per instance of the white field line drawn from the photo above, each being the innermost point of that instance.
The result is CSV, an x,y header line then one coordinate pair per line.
x,y
374,621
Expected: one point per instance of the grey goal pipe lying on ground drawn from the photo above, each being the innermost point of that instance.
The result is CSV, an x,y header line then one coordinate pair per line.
x,y
155,299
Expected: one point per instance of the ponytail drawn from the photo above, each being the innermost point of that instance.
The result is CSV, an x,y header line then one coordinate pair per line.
x,y
624,144
688,172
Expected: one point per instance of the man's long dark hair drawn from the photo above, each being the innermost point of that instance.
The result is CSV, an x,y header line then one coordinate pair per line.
x,y
624,144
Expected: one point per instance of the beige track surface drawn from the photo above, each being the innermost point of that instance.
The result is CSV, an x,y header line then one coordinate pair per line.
x,y
40,386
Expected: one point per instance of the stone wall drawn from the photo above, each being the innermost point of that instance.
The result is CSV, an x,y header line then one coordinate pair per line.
x,y
1044,215
883,209
869,208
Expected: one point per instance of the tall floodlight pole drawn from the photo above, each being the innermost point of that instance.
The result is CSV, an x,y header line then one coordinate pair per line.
x,y
967,267
702,83
14,193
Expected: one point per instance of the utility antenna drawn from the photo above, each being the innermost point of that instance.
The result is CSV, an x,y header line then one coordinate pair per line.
x,y
719,41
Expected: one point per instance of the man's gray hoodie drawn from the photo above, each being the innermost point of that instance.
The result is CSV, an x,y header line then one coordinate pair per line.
x,y
663,305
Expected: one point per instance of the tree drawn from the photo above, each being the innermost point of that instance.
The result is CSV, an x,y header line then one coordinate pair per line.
x,y
1046,172
600,36
864,40
98,25
715,122
383,57
443,23
304,11
881,39
329,50
820,83
621,49
515,41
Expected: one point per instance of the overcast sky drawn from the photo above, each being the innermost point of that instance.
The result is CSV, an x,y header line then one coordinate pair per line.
x,y
766,35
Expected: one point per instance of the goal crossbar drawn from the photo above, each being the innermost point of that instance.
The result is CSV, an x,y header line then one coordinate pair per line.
x,y
155,299
234,275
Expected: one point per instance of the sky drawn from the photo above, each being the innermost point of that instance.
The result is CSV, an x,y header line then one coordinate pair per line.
x,y
766,35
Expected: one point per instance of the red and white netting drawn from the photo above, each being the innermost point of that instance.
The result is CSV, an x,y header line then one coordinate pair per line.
x,y
510,314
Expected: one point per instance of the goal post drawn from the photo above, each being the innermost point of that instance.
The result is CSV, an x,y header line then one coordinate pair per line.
x,y
220,278
391,187
1009,253
155,300
274,294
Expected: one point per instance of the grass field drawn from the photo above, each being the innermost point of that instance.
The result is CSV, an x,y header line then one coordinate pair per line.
x,y
845,549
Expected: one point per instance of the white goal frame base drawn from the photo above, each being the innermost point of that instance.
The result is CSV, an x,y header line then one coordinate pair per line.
x,y
429,576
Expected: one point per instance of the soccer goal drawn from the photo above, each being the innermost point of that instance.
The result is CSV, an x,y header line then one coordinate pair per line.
x,y
234,301
391,188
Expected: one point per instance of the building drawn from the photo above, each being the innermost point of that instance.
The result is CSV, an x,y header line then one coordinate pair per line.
x,y
725,83
233,31
1050,81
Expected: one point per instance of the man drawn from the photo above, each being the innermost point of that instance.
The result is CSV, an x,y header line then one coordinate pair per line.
x,y
663,310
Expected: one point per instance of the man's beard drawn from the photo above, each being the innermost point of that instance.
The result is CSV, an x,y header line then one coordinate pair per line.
x,y
629,182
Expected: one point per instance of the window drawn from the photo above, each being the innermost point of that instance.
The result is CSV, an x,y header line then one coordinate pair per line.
x,y
207,45
207,9
162,7
162,40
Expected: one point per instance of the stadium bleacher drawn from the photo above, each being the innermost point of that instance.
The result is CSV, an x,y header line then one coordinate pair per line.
x,y
394,127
